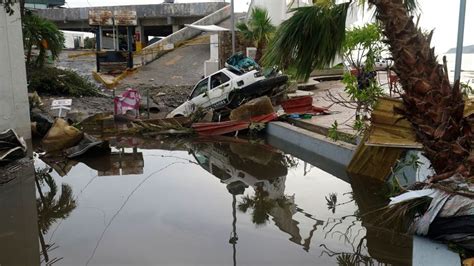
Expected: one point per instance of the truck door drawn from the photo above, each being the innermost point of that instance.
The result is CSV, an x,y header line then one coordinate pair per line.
x,y
199,96
220,87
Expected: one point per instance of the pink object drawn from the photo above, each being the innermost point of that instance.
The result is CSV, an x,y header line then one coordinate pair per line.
x,y
129,100
302,105
221,128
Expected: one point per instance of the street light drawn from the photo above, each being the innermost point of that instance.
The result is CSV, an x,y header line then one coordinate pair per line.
x,y
232,22
459,48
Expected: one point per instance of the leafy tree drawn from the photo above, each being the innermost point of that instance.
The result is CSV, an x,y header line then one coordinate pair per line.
x,y
261,205
315,35
361,47
89,43
43,34
258,29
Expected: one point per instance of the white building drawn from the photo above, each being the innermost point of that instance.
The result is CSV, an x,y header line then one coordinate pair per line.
x,y
75,39
280,10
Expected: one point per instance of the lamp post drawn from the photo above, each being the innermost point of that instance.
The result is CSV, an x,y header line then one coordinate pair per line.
x,y
459,48
232,22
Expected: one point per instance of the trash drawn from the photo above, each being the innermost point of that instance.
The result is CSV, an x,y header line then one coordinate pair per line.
x,y
12,147
241,63
302,105
468,262
389,129
373,162
88,146
40,124
63,104
129,100
221,128
255,107
412,195
450,215
61,136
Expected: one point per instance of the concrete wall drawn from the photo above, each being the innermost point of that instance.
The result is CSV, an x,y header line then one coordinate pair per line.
x,y
14,107
19,243
151,52
143,11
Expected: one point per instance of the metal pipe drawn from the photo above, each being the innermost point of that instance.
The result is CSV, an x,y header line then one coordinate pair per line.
x,y
232,22
459,48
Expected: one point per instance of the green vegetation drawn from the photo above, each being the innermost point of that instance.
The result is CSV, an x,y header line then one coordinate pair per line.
x,y
42,34
54,81
89,43
332,131
258,29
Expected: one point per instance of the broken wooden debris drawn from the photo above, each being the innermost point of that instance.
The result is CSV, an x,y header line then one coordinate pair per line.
x,y
389,129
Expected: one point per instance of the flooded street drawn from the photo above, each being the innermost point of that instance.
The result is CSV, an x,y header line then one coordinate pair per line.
x,y
197,202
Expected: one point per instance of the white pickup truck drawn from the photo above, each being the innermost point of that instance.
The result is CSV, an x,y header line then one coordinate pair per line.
x,y
227,87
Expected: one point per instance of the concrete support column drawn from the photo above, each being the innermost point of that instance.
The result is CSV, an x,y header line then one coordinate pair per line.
x,y
175,28
14,107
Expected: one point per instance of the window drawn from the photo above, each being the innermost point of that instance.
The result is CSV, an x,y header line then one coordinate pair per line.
x,y
218,79
200,89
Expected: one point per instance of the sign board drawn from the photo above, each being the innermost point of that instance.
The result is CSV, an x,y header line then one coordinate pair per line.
x,y
64,104
125,17
101,18
109,18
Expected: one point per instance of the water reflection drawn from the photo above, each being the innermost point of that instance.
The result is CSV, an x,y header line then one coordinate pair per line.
x,y
181,207
51,208
239,165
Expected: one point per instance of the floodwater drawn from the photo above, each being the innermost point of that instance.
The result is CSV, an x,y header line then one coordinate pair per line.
x,y
197,202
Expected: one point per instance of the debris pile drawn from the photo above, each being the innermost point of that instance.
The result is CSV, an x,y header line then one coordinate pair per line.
x,y
12,147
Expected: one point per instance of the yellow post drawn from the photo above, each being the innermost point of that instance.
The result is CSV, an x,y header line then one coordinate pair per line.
x,y
138,46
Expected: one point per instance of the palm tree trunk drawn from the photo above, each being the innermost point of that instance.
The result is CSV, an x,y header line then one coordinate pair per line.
x,y
432,105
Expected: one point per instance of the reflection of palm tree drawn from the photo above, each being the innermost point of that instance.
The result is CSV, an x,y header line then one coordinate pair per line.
x,y
50,209
351,258
261,204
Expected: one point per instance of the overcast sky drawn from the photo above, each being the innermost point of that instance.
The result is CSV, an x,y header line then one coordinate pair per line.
x,y
440,15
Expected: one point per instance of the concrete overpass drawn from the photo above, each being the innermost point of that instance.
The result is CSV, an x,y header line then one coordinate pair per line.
x,y
153,20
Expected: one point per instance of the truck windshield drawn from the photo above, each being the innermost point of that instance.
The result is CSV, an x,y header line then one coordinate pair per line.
x,y
200,88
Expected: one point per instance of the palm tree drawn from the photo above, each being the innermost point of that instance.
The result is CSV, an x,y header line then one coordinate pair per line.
x,y
258,29
43,34
314,36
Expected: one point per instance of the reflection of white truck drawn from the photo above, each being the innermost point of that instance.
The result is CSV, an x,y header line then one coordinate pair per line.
x,y
227,87
223,165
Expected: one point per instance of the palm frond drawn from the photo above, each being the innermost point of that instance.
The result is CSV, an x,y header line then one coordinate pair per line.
x,y
310,39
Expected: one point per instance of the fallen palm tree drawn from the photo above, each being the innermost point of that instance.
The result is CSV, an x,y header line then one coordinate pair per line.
x,y
313,36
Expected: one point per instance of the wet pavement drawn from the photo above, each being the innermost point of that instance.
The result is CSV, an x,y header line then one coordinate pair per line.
x,y
202,202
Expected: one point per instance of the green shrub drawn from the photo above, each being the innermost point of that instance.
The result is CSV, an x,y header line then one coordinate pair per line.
x,y
55,81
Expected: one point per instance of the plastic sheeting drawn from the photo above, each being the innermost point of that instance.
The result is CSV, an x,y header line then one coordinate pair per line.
x,y
12,147
242,63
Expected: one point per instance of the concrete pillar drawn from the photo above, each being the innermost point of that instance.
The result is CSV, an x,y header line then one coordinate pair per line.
x,y
14,107
175,28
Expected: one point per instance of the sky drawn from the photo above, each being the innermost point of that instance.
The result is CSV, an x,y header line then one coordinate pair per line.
x,y
440,15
